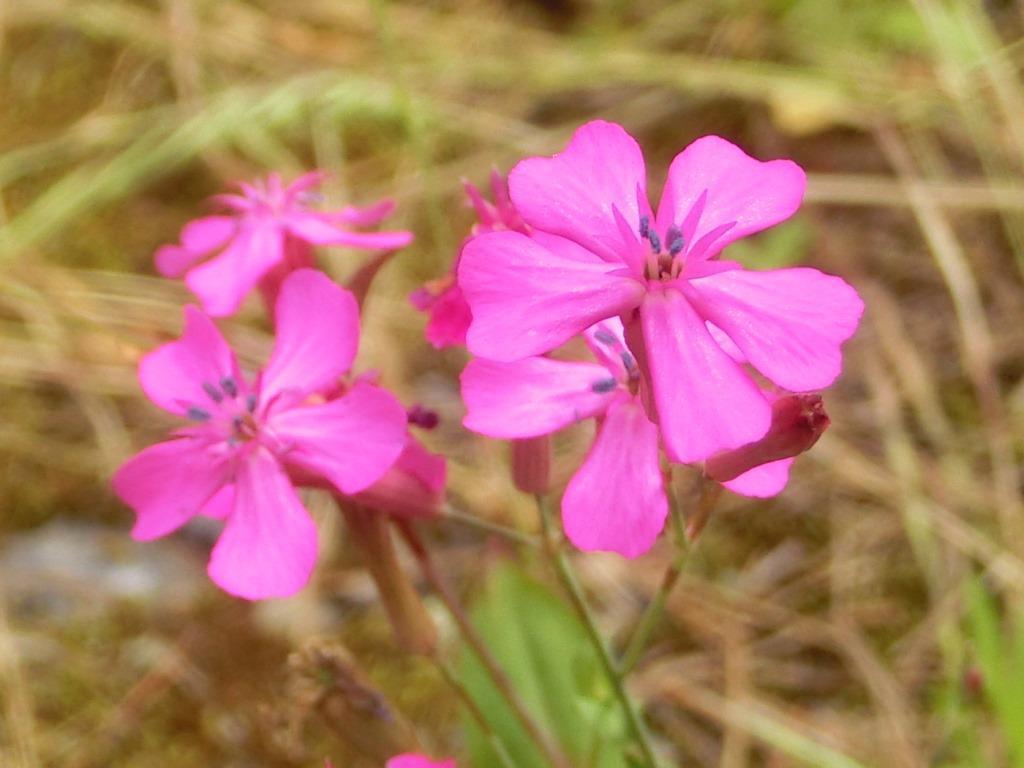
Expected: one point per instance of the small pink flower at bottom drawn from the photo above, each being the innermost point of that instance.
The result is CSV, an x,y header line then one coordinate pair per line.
x,y
598,250
267,233
417,761
248,436
616,500
442,298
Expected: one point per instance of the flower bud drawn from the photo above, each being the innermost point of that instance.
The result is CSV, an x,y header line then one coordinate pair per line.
x,y
797,423
531,464
413,487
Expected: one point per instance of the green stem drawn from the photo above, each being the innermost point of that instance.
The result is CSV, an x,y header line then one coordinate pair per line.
x,y
569,582
473,639
652,614
474,709
463,518
640,636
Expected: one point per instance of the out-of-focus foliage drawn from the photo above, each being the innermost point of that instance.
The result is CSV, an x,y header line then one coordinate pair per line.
x,y
545,650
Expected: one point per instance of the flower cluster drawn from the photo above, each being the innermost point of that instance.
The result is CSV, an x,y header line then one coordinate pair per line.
x,y
695,359
250,440
698,358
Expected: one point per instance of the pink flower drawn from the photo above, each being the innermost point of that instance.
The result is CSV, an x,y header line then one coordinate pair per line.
x,y
417,761
268,232
599,251
616,501
442,298
248,436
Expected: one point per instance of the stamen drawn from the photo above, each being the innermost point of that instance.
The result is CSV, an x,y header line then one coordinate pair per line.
x,y
250,402
645,227
607,338
228,385
212,391
604,385
655,241
628,361
236,424
674,236
197,414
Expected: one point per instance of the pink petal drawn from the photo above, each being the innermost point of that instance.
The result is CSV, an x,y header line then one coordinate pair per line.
x,y
739,189
410,760
526,299
413,487
168,484
706,403
223,282
198,238
762,482
305,182
317,324
574,193
450,318
531,397
728,345
616,501
174,261
789,323
206,234
220,504
314,228
269,545
350,442
173,375
365,216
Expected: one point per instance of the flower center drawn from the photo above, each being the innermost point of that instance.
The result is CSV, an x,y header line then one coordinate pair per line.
x,y
230,414
628,376
661,263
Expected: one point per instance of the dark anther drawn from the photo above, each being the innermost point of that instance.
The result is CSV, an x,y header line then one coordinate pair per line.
x,y
655,241
645,227
236,424
628,361
212,391
674,237
604,385
606,338
229,386
197,414
250,403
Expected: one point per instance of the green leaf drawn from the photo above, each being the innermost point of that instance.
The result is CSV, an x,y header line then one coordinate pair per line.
x,y
999,653
545,652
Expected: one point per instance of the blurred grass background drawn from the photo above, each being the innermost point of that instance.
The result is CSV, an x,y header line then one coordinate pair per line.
x,y
871,615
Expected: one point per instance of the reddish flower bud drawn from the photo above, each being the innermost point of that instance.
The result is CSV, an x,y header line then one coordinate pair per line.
x,y
531,464
413,487
797,423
